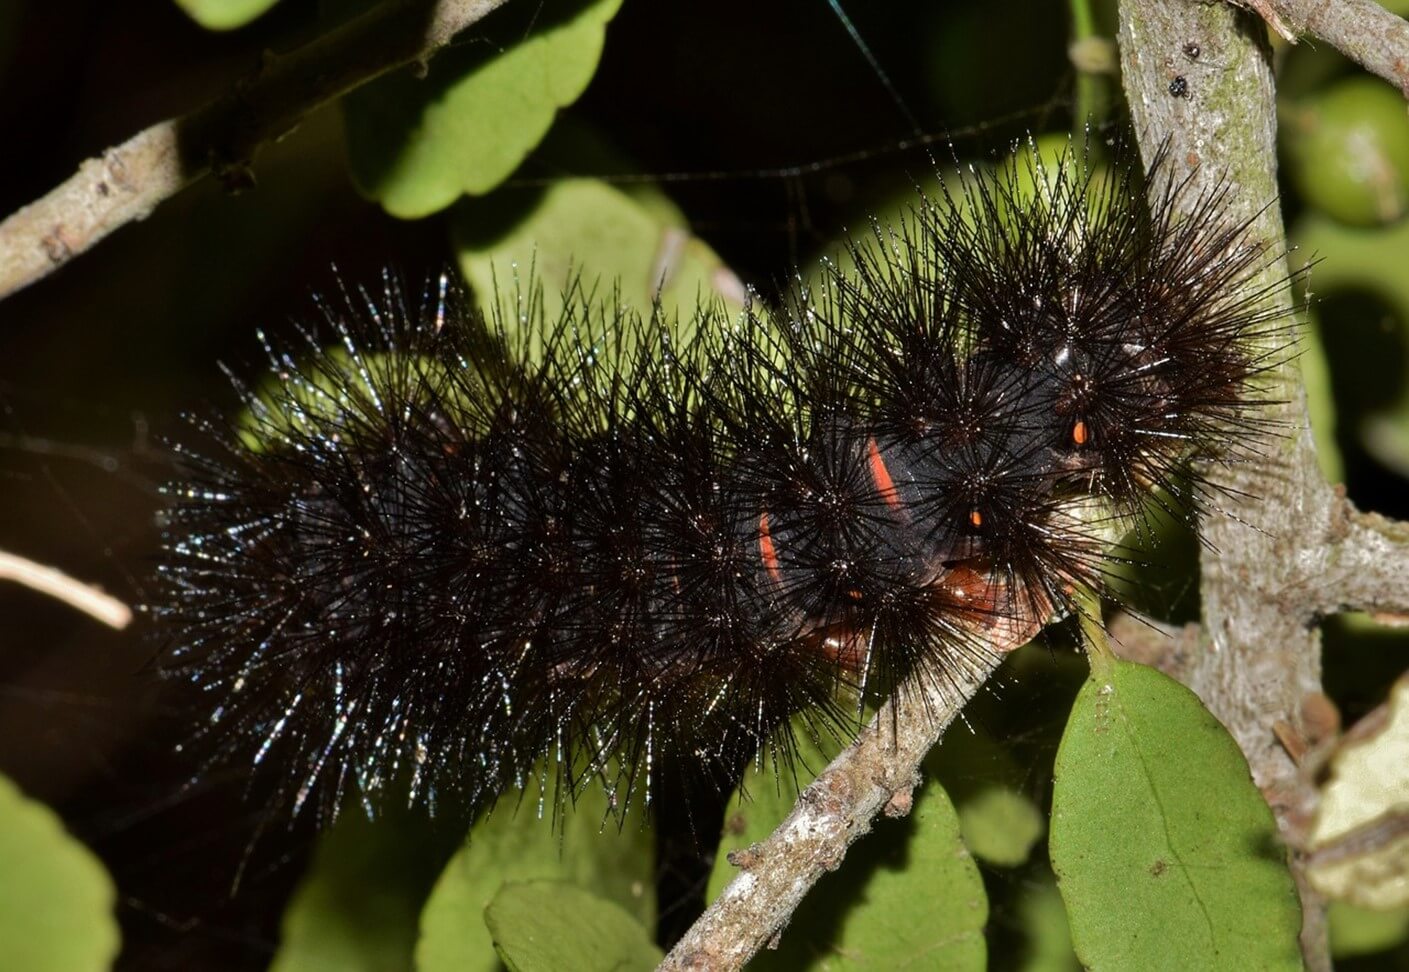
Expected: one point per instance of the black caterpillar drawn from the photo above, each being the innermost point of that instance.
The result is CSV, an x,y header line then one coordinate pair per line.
x,y
447,548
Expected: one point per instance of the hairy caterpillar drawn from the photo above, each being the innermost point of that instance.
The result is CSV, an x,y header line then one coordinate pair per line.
x,y
443,548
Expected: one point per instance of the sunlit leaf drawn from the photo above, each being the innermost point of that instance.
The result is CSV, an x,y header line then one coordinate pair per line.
x,y
1044,924
356,908
416,144
1166,853
1364,931
56,900
551,926
224,14
589,848
594,233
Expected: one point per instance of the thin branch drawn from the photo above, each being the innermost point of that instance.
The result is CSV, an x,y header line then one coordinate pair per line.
x,y
876,772
76,594
130,180
1362,30
1262,578
1366,567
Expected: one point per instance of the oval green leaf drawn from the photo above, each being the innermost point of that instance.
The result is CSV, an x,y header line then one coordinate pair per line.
x,y
552,926
355,910
56,900
224,14
1166,853
417,144
907,896
588,848
596,234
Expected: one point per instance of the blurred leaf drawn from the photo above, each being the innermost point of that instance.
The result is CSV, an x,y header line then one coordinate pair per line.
x,y
224,14
355,910
1347,148
1321,404
1364,931
1359,851
550,926
586,227
416,144
1044,921
909,895
1167,854
1000,825
1372,399
613,859
56,900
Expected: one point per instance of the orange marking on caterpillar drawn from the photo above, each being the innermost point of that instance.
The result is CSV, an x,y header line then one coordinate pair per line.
x,y
984,602
880,475
976,518
767,550
1079,433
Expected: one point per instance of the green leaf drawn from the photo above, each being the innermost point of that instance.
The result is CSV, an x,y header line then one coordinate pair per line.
x,y
224,14
1355,370
907,896
1000,825
999,821
588,228
416,144
1167,855
613,859
551,926
1044,923
1365,931
56,900
356,908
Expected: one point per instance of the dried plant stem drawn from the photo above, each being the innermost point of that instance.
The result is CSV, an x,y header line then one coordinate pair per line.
x,y
76,594
128,181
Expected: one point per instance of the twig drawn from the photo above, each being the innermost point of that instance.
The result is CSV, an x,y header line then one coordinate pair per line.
x,y
76,594
128,181
1366,565
881,766
1287,548
1362,30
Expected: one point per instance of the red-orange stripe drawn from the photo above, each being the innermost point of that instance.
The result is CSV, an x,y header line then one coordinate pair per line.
x,y
880,475
766,550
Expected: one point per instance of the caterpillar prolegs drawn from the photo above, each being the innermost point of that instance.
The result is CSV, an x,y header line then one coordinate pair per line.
x,y
445,546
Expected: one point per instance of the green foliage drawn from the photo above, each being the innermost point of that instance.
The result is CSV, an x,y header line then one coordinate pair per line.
x,y
1348,151
639,245
224,14
56,900
1357,371
998,819
417,144
1168,856
611,858
550,926
356,908
1365,931
1044,919
909,896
